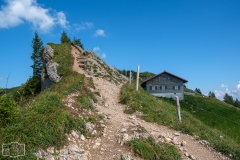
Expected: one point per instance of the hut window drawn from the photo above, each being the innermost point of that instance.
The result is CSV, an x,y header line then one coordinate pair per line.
x,y
153,87
176,87
163,87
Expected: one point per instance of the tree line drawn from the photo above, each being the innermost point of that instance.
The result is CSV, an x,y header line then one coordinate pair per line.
x,y
227,98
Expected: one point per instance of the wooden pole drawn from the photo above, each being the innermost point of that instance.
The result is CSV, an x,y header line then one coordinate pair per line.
x,y
178,110
138,68
130,77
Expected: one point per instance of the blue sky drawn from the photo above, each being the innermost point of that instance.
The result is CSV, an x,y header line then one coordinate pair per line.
x,y
196,40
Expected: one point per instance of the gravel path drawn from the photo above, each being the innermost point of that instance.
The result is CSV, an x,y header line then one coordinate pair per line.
x,y
108,146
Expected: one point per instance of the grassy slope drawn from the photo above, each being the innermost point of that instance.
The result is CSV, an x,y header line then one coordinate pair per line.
x,y
163,111
44,121
215,114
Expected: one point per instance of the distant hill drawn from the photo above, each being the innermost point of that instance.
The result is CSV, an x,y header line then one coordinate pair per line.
x,y
10,90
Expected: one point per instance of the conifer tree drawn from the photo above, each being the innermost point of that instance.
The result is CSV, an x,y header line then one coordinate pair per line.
x,y
211,94
65,38
198,90
77,42
228,99
236,103
37,46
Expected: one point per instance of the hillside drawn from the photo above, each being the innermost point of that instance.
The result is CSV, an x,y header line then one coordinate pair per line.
x,y
215,114
91,113
204,118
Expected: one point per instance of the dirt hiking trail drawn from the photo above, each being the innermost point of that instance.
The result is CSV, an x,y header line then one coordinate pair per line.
x,y
118,124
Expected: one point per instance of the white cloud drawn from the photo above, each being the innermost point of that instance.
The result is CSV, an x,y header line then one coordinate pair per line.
x,y
224,86
234,93
95,49
98,51
104,55
62,19
83,26
17,12
221,94
99,32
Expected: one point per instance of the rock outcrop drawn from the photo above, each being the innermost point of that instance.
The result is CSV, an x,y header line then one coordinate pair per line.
x,y
94,66
72,151
49,73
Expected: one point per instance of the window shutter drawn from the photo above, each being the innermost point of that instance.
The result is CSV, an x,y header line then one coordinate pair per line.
x,y
150,87
178,87
165,87
155,87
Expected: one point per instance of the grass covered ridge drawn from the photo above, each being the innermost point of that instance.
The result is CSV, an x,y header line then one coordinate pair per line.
x,y
44,121
164,113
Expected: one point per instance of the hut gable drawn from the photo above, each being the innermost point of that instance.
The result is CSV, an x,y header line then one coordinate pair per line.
x,y
165,84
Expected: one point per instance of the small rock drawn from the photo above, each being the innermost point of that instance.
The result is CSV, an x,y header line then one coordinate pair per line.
x,y
186,154
94,132
123,130
74,134
50,150
132,117
168,140
96,145
183,143
82,138
192,157
137,113
176,134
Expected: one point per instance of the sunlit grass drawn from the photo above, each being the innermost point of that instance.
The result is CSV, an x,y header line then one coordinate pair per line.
x,y
163,112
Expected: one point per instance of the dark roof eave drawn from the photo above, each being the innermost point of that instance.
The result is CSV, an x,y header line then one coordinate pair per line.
x,y
184,80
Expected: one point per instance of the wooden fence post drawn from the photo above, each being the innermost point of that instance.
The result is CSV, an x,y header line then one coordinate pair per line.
x,y
138,68
130,77
178,110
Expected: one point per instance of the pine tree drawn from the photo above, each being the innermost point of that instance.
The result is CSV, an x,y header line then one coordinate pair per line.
x,y
228,99
198,90
236,103
65,38
77,42
211,94
37,46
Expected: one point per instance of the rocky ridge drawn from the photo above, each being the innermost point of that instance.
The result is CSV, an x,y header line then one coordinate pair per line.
x,y
92,65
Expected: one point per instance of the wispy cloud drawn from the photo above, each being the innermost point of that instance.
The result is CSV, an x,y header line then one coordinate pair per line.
x,y
61,19
100,32
83,26
234,93
96,49
104,55
17,12
223,86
